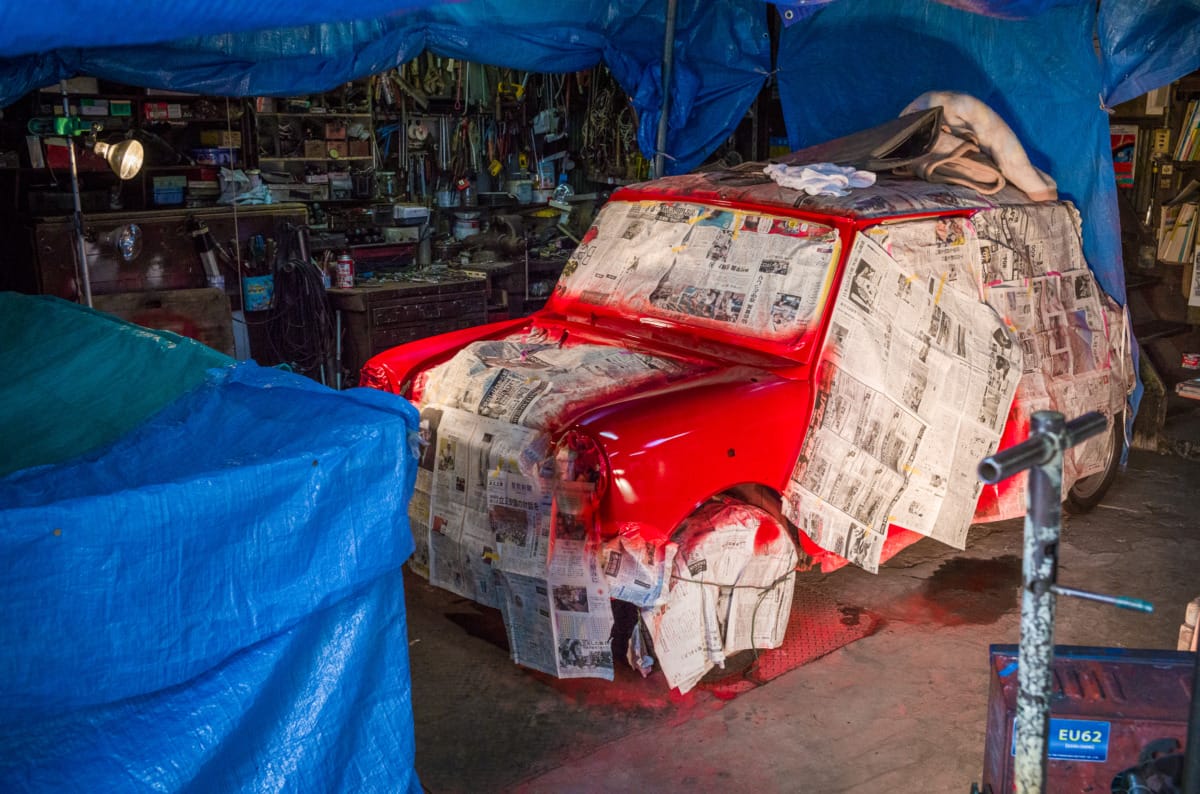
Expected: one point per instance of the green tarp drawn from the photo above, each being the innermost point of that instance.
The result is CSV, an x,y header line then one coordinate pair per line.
x,y
73,379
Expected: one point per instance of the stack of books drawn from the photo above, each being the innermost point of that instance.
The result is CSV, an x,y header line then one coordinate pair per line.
x,y
1177,234
1188,146
1189,388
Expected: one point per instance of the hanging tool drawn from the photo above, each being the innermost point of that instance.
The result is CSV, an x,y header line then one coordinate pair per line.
x,y
458,94
473,141
433,82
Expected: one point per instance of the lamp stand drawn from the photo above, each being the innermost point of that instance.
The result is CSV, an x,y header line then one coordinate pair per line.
x,y
80,244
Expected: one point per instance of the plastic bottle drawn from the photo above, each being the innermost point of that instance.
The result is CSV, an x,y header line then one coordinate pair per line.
x,y
563,193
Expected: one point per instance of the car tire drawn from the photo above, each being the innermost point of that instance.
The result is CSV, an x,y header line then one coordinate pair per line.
x,y
1087,492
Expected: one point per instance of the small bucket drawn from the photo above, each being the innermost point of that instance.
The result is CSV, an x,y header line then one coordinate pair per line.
x,y
466,224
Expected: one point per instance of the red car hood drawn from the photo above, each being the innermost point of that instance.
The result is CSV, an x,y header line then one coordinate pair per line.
x,y
542,382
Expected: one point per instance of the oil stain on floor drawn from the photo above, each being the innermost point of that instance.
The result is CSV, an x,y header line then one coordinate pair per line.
x,y
973,591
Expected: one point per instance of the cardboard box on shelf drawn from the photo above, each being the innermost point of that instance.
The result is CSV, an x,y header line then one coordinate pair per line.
x,y
221,138
75,85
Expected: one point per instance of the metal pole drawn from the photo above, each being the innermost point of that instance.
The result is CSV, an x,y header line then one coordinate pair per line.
x,y
1035,671
1042,455
80,244
668,64
337,335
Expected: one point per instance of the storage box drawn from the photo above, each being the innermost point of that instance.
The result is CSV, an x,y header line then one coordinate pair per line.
x,y
360,148
222,139
169,190
155,111
226,157
1107,707
340,185
170,182
168,196
57,156
75,85
300,192
93,107
335,130
315,149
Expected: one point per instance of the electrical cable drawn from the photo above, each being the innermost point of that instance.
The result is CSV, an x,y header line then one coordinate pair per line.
x,y
299,323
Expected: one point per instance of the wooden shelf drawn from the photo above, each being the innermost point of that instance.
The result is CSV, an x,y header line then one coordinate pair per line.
x,y
1139,118
310,114
315,159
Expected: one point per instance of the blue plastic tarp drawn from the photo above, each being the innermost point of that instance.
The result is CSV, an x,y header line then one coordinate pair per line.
x,y
107,23
854,65
1042,75
214,602
793,11
722,48
722,57
1146,44
75,379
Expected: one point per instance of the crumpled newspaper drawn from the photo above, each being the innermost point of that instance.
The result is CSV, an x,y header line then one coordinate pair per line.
x,y
820,179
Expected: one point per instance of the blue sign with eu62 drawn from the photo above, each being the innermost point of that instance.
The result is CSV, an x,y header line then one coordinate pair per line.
x,y
1073,740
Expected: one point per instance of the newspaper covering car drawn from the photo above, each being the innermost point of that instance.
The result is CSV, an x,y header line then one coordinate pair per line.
x,y
734,379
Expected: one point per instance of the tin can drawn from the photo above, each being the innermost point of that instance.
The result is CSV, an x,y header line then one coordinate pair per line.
x,y
345,272
1191,361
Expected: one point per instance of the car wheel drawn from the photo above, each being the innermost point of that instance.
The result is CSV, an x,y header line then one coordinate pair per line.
x,y
1087,492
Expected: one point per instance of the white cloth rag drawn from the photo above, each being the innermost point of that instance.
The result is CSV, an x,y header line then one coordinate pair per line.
x,y
819,179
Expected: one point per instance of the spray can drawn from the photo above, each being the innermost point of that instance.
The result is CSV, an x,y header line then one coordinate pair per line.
x,y
345,272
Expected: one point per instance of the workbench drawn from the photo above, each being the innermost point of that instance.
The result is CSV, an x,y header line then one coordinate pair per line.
x,y
378,316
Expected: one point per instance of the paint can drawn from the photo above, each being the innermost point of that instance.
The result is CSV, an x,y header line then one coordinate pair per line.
x,y
344,278
466,224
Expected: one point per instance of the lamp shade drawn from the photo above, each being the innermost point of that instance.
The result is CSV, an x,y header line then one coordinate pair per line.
x,y
124,158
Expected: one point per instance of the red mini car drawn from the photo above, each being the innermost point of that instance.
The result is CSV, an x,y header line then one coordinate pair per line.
x,y
732,378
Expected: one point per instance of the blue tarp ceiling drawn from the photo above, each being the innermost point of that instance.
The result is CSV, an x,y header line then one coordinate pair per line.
x,y
722,56
843,64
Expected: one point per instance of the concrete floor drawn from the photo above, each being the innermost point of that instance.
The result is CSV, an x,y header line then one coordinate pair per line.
x,y
902,709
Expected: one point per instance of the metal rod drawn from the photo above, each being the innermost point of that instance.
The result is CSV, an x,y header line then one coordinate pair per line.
x,y
668,64
1039,450
337,336
1124,602
1039,566
1035,451
80,244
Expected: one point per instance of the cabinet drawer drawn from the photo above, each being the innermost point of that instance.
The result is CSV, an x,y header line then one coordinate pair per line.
x,y
384,338
421,310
